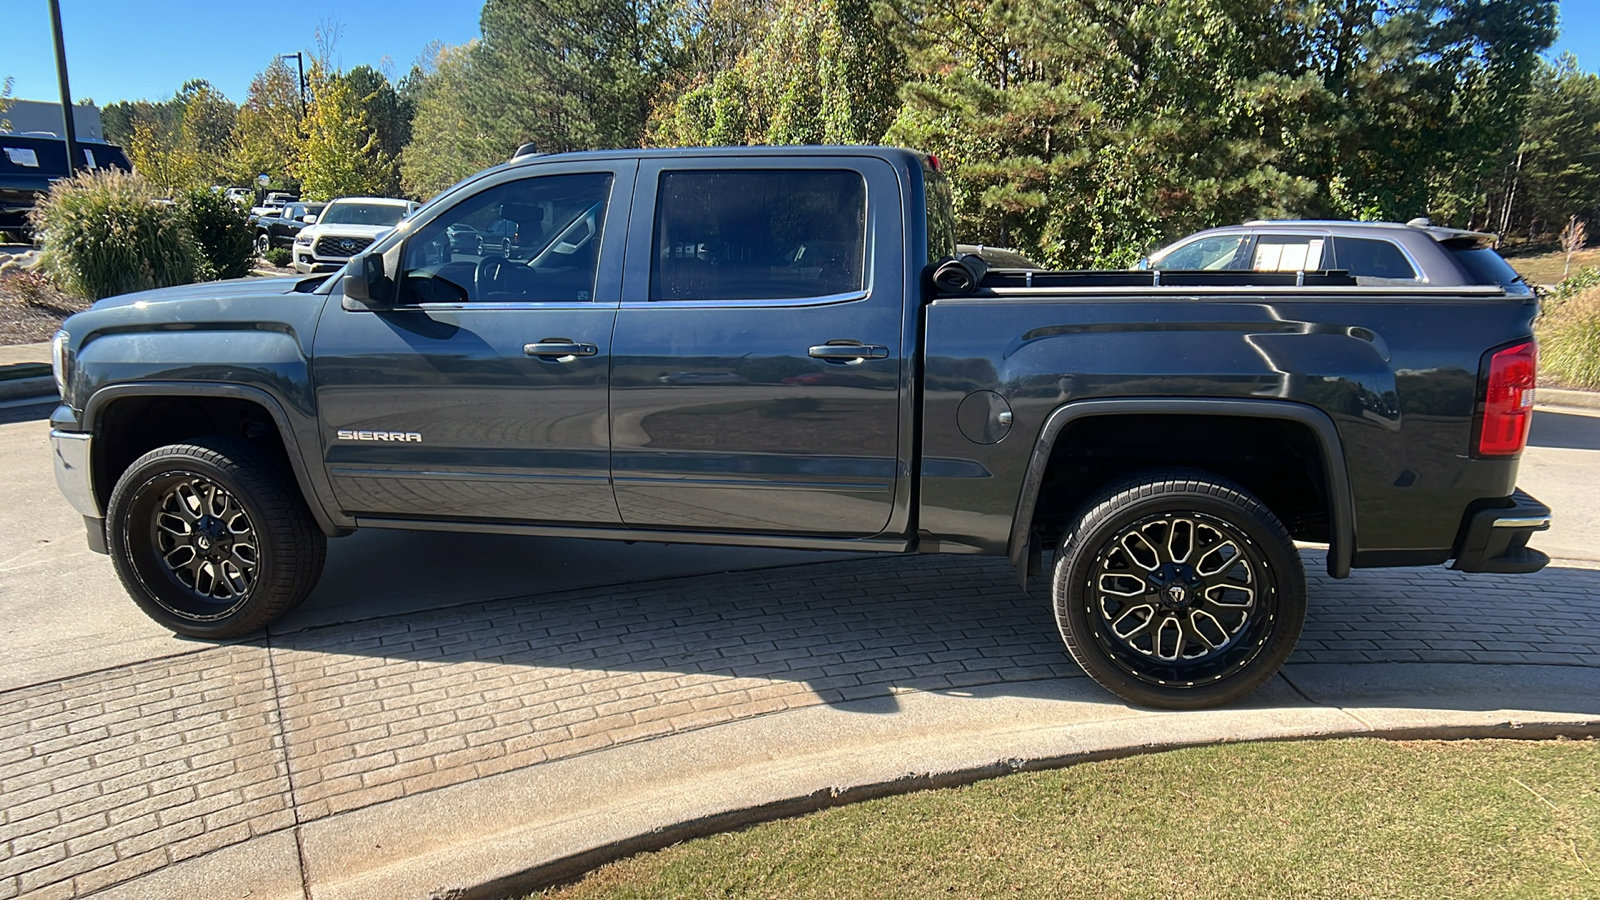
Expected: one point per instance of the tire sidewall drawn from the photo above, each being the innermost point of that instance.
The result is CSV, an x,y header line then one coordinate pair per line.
x,y
125,539
1284,578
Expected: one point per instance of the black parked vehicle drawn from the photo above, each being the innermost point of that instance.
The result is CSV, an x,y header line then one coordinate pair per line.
x,y
777,347
279,229
30,163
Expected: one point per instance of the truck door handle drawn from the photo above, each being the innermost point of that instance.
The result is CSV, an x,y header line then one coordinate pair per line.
x,y
849,354
559,349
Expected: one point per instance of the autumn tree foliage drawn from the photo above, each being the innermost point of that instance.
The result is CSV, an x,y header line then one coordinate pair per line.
x,y
1083,132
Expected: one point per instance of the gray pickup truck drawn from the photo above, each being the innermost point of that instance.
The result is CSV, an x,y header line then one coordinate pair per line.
x,y
776,347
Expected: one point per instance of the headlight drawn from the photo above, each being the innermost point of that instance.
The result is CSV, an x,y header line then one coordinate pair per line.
x,y
303,239
58,361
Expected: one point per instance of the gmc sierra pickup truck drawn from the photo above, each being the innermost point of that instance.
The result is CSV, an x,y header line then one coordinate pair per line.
x,y
777,347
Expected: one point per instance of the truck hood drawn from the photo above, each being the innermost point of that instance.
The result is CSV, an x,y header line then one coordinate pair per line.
x,y
366,231
255,328
212,291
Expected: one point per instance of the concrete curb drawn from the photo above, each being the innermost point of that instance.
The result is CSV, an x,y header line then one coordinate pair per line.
x,y
551,823
1561,397
43,387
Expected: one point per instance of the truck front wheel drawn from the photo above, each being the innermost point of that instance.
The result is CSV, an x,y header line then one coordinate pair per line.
x,y
1179,590
212,539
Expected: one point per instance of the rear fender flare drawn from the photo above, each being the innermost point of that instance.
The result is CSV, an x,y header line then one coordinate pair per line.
x,y
1341,506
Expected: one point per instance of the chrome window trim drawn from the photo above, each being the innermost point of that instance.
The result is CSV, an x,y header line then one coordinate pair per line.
x,y
823,300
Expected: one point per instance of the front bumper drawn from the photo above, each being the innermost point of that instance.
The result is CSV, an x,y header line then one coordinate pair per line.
x,y
74,477
1496,539
308,263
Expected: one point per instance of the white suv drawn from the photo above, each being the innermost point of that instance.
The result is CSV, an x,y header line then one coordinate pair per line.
x,y
346,227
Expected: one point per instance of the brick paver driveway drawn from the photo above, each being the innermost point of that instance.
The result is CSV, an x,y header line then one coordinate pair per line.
x,y
110,775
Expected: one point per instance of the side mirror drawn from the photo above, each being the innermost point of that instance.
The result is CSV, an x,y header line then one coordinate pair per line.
x,y
1142,264
366,287
309,220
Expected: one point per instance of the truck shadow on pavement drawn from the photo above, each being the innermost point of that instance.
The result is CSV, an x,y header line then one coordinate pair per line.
x,y
598,666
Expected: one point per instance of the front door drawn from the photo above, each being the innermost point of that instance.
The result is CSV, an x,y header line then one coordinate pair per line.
x,y
483,396
757,354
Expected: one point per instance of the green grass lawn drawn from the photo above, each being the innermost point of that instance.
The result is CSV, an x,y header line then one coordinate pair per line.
x,y
1335,819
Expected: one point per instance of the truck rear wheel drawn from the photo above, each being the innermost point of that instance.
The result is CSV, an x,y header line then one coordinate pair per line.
x,y
1179,590
212,538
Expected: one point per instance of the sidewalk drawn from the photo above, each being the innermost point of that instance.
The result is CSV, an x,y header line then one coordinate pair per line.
x,y
474,751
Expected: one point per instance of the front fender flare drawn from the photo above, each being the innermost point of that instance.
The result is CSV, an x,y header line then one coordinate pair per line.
x,y
317,491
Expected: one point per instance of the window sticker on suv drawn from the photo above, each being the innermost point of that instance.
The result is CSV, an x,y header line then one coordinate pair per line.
x,y
1288,254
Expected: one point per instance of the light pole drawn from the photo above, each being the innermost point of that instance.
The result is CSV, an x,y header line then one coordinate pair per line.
x,y
300,63
71,131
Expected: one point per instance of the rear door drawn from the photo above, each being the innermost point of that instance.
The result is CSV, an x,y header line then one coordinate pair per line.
x,y
757,353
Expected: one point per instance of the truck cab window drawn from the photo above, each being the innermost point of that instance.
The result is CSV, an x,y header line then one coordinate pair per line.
x,y
536,240
759,235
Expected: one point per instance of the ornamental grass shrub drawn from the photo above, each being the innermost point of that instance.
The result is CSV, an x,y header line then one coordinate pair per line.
x,y
107,232
219,228
1569,333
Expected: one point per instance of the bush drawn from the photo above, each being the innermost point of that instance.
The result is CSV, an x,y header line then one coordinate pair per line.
x,y
219,228
106,232
1571,286
280,257
1569,340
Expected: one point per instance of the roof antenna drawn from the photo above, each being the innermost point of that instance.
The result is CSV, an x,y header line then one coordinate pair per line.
x,y
527,149
1420,222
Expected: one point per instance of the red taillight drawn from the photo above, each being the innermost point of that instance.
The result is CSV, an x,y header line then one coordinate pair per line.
x,y
1508,402
933,161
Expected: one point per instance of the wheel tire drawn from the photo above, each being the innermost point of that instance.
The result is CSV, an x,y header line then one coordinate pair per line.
x,y
182,527
263,244
1195,631
505,247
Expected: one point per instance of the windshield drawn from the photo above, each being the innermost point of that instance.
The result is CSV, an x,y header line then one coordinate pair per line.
x,y
1216,252
357,213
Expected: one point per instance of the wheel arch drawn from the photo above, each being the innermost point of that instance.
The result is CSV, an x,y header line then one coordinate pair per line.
x,y
190,403
1340,507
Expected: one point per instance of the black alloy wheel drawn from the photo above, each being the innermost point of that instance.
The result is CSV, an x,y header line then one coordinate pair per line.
x,y
212,538
1179,590
206,543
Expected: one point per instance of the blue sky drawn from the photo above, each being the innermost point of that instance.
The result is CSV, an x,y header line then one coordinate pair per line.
x,y
115,54
137,49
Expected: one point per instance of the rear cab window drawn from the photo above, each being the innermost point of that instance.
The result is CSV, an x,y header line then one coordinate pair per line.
x,y
758,234
941,212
